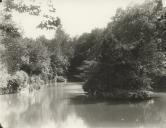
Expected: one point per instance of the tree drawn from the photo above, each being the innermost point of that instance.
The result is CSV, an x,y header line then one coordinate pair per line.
x,y
129,53
35,58
10,38
11,34
87,48
20,53
50,21
61,49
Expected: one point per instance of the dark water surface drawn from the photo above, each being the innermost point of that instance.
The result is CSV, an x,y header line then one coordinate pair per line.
x,y
67,107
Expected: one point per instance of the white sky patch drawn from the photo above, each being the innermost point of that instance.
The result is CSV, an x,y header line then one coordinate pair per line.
x,y
77,16
29,23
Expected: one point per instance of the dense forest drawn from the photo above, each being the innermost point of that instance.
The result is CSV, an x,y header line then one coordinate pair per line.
x,y
125,59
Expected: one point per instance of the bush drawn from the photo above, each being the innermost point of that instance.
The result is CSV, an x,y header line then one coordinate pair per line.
x,y
18,80
3,76
22,78
12,85
61,79
36,82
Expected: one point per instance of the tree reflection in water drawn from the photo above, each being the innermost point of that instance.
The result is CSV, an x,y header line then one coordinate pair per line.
x,y
67,107
47,108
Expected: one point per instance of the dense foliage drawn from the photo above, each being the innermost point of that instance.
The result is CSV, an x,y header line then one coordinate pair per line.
x,y
87,48
42,60
131,55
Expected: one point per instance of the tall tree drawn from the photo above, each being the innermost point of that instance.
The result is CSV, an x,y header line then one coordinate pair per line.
x,y
129,53
87,49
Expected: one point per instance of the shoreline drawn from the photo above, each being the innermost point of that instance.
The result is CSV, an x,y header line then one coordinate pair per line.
x,y
124,95
118,94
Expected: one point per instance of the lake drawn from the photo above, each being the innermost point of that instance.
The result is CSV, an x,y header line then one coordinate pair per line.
x,y
66,106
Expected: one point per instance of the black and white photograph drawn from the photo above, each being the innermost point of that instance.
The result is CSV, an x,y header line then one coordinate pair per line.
x,y
82,63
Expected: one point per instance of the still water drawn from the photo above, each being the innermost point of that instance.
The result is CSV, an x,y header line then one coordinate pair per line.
x,y
66,106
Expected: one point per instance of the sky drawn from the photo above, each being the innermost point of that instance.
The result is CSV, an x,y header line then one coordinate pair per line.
x,y
77,16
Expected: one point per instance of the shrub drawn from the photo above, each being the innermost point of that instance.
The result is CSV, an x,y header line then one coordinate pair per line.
x,y
18,80
3,75
22,78
61,79
36,82
12,85
3,78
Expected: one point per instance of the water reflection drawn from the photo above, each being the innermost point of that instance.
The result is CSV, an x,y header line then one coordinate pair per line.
x,y
67,107
121,114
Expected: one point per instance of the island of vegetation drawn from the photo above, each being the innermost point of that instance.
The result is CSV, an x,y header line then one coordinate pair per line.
x,y
125,60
